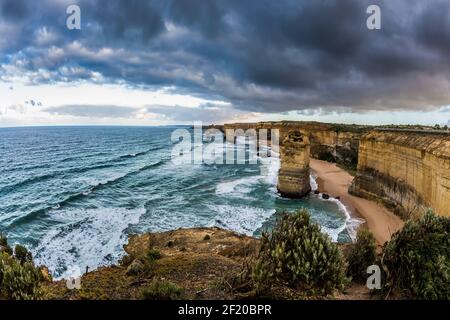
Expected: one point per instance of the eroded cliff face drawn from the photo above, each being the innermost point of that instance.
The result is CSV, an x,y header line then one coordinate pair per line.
x,y
329,142
409,172
335,146
293,176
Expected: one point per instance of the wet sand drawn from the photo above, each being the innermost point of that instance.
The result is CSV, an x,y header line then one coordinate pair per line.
x,y
335,182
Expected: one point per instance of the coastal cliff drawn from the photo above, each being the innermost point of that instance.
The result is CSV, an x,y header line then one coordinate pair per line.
x,y
298,141
335,146
408,171
406,168
330,142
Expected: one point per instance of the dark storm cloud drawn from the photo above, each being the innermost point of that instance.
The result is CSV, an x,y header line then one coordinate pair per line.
x,y
265,55
132,19
14,9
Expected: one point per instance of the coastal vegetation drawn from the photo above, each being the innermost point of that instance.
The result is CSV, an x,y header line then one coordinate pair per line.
x,y
296,254
361,255
417,259
153,254
295,260
19,278
161,290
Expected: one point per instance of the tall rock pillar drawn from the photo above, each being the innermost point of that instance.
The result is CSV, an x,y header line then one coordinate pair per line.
x,y
293,176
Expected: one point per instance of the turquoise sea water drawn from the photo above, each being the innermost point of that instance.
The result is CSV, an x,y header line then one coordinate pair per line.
x,y
74,194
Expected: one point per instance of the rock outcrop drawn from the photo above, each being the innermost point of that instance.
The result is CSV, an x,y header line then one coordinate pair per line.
x,y
293,176
407,171
202,269
195,265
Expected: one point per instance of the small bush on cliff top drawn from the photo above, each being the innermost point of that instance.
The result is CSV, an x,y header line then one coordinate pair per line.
x,y
298,255
153,254
22,254
417,259
161,290
18,281
4,247
19,278
362,255
3,240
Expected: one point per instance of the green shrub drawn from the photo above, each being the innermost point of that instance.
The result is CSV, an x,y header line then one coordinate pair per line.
x,y
298,255
153,254
4,247
417,259
161,290
18,281
362,255
3,240
22,254
126,260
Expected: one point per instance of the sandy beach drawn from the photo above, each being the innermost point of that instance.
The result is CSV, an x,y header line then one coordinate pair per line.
x,y
335,181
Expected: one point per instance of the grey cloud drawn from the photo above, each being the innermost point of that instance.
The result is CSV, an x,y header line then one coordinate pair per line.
x,y
92,111
17,108
132,19
14,9
261,55
206,113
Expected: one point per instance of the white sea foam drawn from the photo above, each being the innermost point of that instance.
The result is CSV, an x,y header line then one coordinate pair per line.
x,y
246,219
91,237
241,219
333,233
238,187
313,182
351,223
269,167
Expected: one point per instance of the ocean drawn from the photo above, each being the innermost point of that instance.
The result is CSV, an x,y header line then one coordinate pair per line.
x,y
72,195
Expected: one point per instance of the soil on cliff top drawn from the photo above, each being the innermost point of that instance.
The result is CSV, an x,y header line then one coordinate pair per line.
x,y
196,260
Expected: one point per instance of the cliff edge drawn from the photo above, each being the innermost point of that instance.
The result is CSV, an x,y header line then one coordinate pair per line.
x,y
408,171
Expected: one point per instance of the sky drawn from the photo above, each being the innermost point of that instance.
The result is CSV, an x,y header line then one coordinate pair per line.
x,y
157,62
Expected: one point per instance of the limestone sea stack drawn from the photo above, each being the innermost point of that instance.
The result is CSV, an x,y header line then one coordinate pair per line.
x,y
293,176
